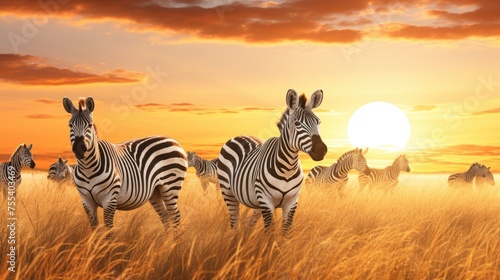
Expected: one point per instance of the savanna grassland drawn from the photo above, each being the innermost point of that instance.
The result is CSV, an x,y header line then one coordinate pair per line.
x,y
422,231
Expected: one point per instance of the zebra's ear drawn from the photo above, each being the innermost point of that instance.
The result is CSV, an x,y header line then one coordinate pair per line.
x,y
315,100
60,160
68,105
89,103
29,147
365,151
292,99
66,161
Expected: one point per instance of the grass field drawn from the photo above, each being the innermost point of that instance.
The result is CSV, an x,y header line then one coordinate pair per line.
x,y
422,231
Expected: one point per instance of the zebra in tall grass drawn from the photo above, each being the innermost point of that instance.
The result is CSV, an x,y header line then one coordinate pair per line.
x,y
268,175
484,182
466,179
385,179
10,176
124,176
206,170
335,175
60,171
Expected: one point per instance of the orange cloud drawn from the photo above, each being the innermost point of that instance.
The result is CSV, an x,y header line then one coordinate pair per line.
x,y
45,116
196,109
487,112
455,32
30,70
418,108
47,101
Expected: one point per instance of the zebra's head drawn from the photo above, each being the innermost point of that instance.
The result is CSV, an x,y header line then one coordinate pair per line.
x,y
490,180
402,163
59,170
25,155
191,158
359,161
301,126
82,131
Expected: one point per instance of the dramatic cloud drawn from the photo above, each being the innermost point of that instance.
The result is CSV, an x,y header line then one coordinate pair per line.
x,y
277,21
30,70
45,116
47,101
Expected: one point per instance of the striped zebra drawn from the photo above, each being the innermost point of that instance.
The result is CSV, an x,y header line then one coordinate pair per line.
x,y
124,176
60,171
487,181
268,175
335,175
387,178
206,170
10,176
466,179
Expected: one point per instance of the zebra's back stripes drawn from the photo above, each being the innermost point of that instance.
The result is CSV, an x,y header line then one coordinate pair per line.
x,y
387,178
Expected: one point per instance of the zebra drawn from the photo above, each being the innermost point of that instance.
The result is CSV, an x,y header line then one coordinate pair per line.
x,y
10,176
124,176
206,170
335,175
387,178
466,179
268,175
60,171
487,181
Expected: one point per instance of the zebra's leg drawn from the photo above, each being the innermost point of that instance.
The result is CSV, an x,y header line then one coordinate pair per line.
x,y
109,211
91,211
169,192
159,206
288,214
233,205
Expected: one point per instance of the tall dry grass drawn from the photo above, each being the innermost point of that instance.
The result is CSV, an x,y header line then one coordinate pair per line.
x,y
422,231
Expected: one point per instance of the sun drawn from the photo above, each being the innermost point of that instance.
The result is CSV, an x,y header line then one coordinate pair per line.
x,y
379,125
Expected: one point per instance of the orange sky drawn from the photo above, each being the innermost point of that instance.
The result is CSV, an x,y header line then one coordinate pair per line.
x,y
202,72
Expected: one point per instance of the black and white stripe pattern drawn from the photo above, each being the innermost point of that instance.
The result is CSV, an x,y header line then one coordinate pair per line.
x,y
60,171
206,170
124,176
387,178
267,175
335,175
21,157
466,179
487,181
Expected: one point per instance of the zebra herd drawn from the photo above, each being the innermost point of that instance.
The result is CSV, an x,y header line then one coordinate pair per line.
x,y
263,175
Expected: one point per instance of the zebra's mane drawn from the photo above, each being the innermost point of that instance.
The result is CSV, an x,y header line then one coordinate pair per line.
x,y
345,155
286,114
81,104
15,152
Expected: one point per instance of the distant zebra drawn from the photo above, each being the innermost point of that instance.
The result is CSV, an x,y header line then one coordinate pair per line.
x,y
124,176
487,181
206,170
466,179
335,175
268,175
385,179
60,171
10,176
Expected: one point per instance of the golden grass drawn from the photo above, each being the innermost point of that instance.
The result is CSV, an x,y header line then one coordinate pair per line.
x,y
422,231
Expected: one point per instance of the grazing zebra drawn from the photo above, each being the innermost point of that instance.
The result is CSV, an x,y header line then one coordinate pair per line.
x,y
206,170
268,175
124,176
387,178
60,171
487,181
335,175
10,176
466,179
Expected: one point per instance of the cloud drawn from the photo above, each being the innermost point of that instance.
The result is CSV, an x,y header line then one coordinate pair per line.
x,y
47,101
418,108
30,70
197,109
487,112
44,116
278,21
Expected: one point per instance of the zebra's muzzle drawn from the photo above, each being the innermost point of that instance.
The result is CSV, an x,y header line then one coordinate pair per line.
x,y
318,148
367,171
79,148
32,164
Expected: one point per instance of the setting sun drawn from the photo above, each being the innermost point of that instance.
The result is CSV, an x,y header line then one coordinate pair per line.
x,y
379,125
